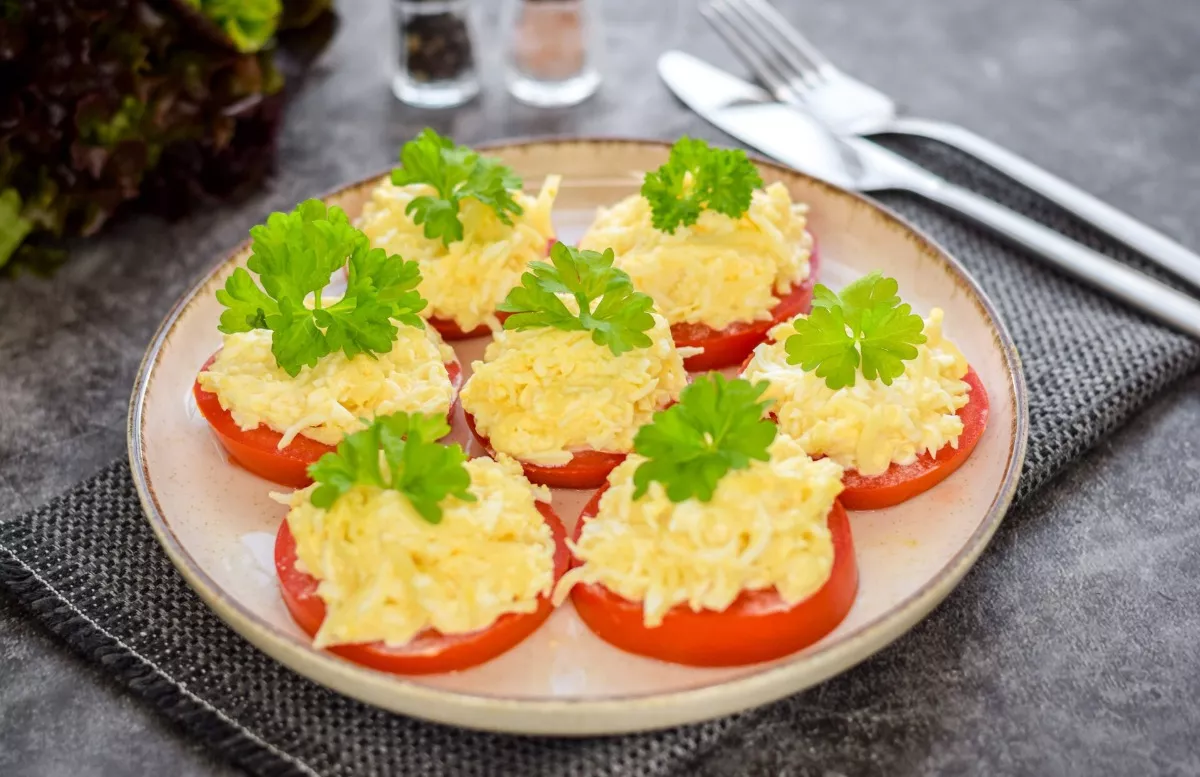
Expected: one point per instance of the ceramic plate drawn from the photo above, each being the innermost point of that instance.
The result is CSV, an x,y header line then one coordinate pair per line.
x,y
218,525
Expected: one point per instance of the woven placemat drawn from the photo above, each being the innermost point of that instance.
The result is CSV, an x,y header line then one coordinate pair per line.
x,y
88,566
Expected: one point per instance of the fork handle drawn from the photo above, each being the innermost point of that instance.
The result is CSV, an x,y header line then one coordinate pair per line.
x,y
1153,298
1149,242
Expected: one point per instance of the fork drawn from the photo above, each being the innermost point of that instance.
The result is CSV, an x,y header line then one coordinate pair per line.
x,y
796,73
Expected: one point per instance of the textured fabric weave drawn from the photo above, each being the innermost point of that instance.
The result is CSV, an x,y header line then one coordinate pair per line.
x,y
88,566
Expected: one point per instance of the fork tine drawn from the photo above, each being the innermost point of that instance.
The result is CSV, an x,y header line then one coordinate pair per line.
x,y
776,21
732,28
761,17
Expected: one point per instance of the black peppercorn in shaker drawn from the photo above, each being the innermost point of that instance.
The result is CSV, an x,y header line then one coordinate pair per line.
x,y
435,49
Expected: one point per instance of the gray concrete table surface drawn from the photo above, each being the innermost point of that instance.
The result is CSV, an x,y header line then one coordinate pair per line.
x,y
1071,648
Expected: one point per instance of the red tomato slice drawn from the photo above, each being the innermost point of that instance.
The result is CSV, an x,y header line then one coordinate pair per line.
x,y
758,626
257,450
901,483
730,345
451,331
429,651
586,469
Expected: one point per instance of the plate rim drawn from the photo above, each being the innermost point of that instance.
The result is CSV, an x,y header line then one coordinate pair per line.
x,y
585,717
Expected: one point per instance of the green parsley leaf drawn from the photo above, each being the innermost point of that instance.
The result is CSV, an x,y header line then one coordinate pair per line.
x,y
399,452
621,318
865,326
717,426
721,180
294,254
456,172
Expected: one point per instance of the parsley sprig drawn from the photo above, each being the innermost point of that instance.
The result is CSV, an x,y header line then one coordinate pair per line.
x,y
399,452
721,180
716,426
294,254
865,326
456,172
619,318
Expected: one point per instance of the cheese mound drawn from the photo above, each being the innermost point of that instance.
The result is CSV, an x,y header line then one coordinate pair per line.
x,y
542,393
386,574
465,281
718,271
330,400
766,526
869,426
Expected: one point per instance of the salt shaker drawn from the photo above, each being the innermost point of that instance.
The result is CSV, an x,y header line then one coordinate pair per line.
x,y
436,62
554,50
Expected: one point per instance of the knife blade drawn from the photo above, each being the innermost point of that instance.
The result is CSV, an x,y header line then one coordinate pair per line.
x,y
753,116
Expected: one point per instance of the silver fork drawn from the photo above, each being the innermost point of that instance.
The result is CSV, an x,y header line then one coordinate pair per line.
x,y
795,72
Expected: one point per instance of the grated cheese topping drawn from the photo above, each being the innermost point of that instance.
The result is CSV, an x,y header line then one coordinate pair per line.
x,y
465,281
540,394
386,574
765,527
718,271
330,400
869,426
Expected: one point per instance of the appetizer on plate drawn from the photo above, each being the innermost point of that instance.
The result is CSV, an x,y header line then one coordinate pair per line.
x,y
724,259
582,363
719,543
297,372
465,221
866,382
405,557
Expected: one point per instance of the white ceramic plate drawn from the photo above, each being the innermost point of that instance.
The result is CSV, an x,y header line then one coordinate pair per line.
x,y
218,526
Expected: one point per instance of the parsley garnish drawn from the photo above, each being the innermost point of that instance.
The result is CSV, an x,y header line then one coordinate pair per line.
x,y
722,180
619,320
456,172
294,255
866,325
424,470
716,426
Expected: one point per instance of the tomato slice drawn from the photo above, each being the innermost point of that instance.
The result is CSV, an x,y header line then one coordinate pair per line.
x,y
758,626
452,331
429,651
728,346
257,450
586,469
902,482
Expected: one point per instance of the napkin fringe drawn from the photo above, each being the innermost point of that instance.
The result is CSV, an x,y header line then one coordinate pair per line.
x,y
92,642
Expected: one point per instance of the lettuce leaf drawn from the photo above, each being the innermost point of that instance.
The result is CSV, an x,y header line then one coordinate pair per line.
x,y
164,105
13,228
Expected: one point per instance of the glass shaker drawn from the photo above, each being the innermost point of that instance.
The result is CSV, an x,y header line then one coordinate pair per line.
x,y
554,50
436,65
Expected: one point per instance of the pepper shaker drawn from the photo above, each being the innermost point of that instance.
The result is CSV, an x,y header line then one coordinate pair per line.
x,y
554,52
436,63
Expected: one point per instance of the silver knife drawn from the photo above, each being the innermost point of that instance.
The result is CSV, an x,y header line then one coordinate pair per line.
x,y
800,141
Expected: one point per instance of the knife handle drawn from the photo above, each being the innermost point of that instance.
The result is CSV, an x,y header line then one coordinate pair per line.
x,y
1153,298
1152,244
